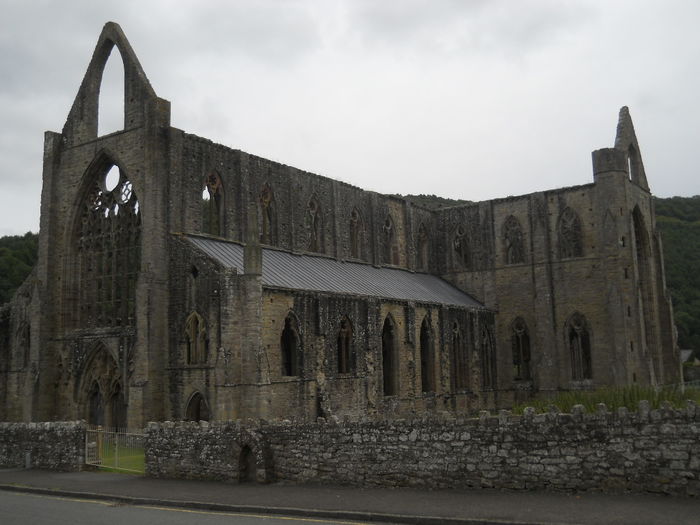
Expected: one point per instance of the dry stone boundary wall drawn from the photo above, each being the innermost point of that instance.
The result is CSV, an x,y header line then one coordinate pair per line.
x,y
51,445
647,450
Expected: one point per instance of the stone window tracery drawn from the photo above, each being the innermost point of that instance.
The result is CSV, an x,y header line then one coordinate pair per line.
x,y
213,205
460,247
345,346
520,343
570,235
108,251
196,339
357,231
460,359
579,343
513,241
314,224
268,213
290,345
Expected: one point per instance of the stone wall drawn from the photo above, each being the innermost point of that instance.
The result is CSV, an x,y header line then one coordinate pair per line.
x,y
647,450
52,445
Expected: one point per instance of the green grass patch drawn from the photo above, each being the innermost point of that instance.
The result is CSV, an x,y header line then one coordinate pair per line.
x,y
614,398
125,459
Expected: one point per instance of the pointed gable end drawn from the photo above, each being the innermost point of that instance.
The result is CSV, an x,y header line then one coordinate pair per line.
x,y
139,97
626,140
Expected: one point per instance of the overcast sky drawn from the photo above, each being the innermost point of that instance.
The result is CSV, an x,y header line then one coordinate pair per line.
x,y
464,99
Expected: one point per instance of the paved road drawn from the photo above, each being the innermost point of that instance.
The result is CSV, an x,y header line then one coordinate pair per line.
x,y
34,509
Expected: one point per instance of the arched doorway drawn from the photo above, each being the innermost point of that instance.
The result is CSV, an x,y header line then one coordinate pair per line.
x,y
247,467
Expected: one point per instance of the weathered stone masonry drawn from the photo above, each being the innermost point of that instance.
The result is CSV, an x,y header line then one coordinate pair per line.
x,y
647,450
51,445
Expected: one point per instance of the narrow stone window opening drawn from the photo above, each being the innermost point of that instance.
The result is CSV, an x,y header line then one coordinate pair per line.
x,y
427,357
488,361
520,343
290,344
268,216
196,339
570,235
579,342
110,116
514,248
460,359
389,358
314,224
390,248
344,346
423,249
213,206
460,248
357,231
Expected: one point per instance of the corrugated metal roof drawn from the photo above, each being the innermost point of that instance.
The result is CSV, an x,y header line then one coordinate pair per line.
x,y
283,269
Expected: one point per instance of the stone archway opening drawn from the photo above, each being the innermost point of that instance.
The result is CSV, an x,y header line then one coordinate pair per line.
x,y
247,466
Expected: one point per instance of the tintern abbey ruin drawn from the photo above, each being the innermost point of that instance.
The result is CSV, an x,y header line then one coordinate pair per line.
x,y
179,279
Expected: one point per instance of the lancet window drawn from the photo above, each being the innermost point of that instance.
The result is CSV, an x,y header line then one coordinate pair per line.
x,y
520,343
422,249
268,214
460,359
314,224
570,235
390,250
389,358
488,360
196,338
357,232
213,205
108,251
579,342
427,357
290,346
345,346
513,241
460,247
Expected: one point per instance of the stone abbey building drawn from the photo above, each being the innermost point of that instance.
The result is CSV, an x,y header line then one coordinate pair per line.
x,y
181,279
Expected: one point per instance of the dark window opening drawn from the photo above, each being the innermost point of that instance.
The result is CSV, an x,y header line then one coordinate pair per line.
x,y
314,224
580,348
247,468
345,346
268,213
460,247
460,359
389,358
423,249
213,206
427,357
357,232
488,361
520,342
290,346
196,339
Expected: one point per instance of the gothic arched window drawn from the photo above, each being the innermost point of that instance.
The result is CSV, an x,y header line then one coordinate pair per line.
x,y
513,241
488,360
422,249
314,224
427,357
390,250
268,214
213,205
389,358
108,250
579,343
520,343
345,346
570,235
196,338
290,346
357,231
460,247
460,359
